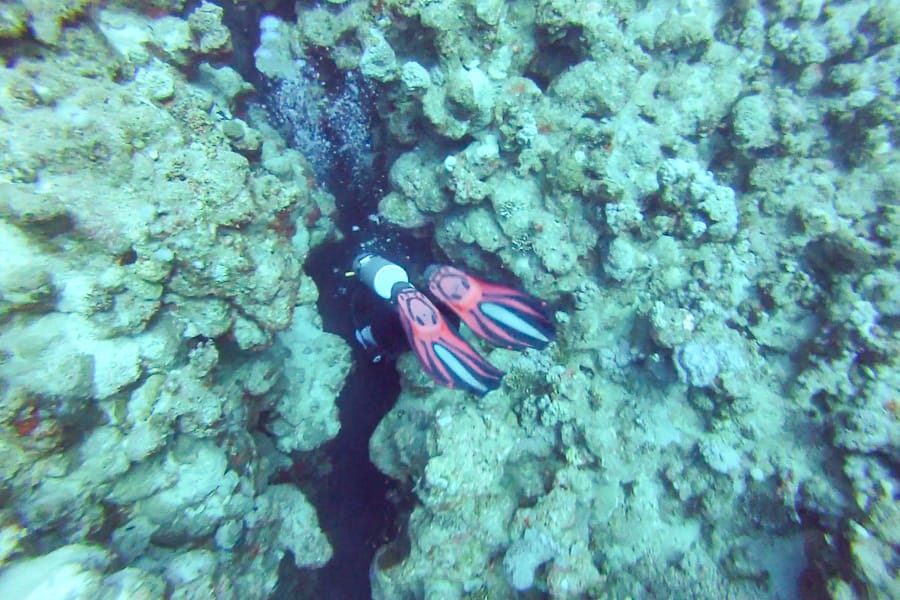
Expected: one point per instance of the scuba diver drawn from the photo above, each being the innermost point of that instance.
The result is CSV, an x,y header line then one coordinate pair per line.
x,y
498,314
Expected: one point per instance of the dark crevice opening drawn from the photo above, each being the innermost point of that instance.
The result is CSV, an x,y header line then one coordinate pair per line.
x,y
357,505
355,502
554,57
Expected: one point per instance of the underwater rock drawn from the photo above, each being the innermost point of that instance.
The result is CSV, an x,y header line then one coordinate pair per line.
x,y
136,239
525,555
306,414
702,192
753,123
700,362
75,570
296,527
378,60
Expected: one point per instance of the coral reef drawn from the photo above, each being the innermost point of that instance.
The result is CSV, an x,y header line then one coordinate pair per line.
x,y
154,313
705,191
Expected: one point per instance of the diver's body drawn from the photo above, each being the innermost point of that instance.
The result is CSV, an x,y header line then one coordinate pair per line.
x,y
500,315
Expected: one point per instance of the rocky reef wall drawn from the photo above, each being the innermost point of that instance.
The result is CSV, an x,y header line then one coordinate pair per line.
x,y
706,192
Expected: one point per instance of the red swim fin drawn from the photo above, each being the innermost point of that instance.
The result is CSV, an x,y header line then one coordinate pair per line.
x,y
446,357
498,314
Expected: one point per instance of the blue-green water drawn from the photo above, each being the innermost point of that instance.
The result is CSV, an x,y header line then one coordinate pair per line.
x,y
704,194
